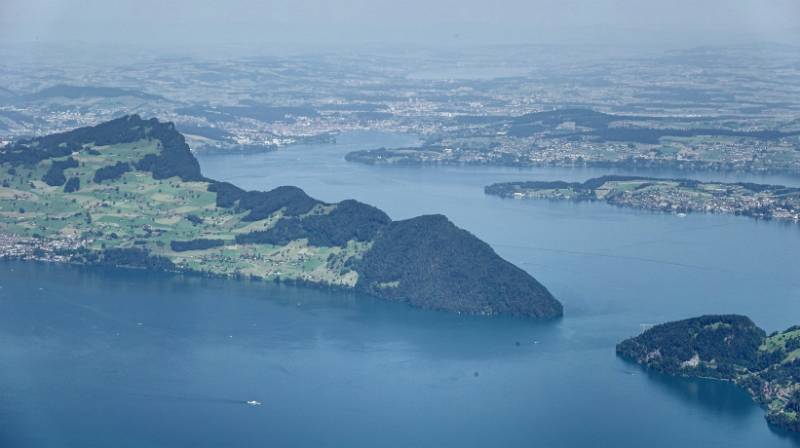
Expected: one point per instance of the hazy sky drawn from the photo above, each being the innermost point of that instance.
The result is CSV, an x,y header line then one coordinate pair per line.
x,y
633,22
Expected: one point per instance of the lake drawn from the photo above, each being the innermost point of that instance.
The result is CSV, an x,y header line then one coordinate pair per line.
x,y
105,357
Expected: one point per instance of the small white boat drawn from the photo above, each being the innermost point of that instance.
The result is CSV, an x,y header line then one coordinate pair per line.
x,y
253,403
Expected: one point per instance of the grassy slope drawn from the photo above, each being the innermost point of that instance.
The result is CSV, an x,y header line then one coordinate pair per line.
x,y
137,210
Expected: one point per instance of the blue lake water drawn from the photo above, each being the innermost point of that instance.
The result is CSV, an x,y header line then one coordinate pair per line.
x,y
96,357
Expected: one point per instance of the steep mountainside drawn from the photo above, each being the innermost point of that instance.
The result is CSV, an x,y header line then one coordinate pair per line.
x,y
442,264
730,348
130,193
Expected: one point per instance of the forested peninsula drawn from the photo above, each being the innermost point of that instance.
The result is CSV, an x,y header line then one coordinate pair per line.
x,y
730,348
129,193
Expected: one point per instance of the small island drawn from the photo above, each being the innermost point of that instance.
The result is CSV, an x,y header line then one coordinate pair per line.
x,y
129,193
730,348
677,196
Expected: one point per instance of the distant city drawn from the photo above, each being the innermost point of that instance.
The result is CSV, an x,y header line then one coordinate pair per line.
x,y
701,109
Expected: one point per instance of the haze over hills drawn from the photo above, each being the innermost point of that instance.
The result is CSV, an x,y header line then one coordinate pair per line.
x,y
517,105
74,92
586,137
129,193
